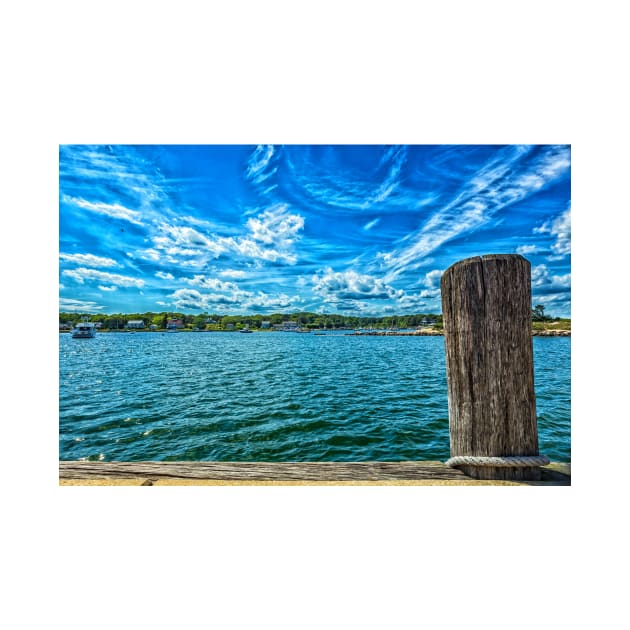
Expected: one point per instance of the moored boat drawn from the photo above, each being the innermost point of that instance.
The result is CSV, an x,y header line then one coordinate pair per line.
x,y
84,330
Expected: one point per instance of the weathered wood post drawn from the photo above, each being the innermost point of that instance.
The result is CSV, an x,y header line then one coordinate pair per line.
x,y
486,306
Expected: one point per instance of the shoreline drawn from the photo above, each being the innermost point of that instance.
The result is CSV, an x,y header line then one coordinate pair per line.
x,y
433,333
414,333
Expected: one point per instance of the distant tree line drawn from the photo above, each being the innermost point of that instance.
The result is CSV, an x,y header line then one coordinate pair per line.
x,y
209,321
307,320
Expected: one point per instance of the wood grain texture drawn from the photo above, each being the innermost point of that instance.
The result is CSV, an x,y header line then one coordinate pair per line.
x,y
486,306
189,473
262,470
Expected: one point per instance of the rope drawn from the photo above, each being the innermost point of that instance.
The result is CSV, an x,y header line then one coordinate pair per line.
x,y
502,462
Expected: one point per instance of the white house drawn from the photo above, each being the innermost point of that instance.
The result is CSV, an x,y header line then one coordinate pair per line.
x,y
135,323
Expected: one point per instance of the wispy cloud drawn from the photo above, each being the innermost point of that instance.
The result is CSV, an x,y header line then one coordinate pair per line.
x,y
510,176
89,260
82,274
78,306
239,228
114,210
524,250
233,273
212,283
250,249
393,161
348,190
258,163
176,239
371,224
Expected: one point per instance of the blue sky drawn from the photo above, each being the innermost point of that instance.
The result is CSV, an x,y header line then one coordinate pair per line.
x,y
355,229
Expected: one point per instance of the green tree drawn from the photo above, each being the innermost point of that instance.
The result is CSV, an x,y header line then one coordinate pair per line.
x,y
538,314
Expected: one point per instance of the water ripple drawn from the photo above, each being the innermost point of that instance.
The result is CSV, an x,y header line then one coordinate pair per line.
x,y
275,397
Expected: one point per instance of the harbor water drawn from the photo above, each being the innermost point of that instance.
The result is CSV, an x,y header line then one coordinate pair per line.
x,y
276,397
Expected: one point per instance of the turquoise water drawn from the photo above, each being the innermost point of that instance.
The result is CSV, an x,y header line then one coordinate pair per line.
x,y
275,397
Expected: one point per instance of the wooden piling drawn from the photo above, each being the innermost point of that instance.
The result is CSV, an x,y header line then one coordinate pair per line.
x,y
486,307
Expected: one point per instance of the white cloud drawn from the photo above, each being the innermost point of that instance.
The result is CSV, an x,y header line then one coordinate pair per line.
x,y
430,293
350,285
164,275
113,210
557,304
371,224
211,283
195,262
248,248
233,273
103,288
187,238
544,282
409,303
78,306
229,297
220,293
560,228
271,301
89,259
150,254
189,299
258,162
432,278
276,226
270,236
82,273
526,249
353,291
200,222
179,251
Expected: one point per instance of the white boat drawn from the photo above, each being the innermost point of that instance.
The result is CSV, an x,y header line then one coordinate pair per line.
x,y
84,330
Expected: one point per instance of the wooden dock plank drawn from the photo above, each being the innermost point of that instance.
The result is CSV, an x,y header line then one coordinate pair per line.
x,y
277,472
